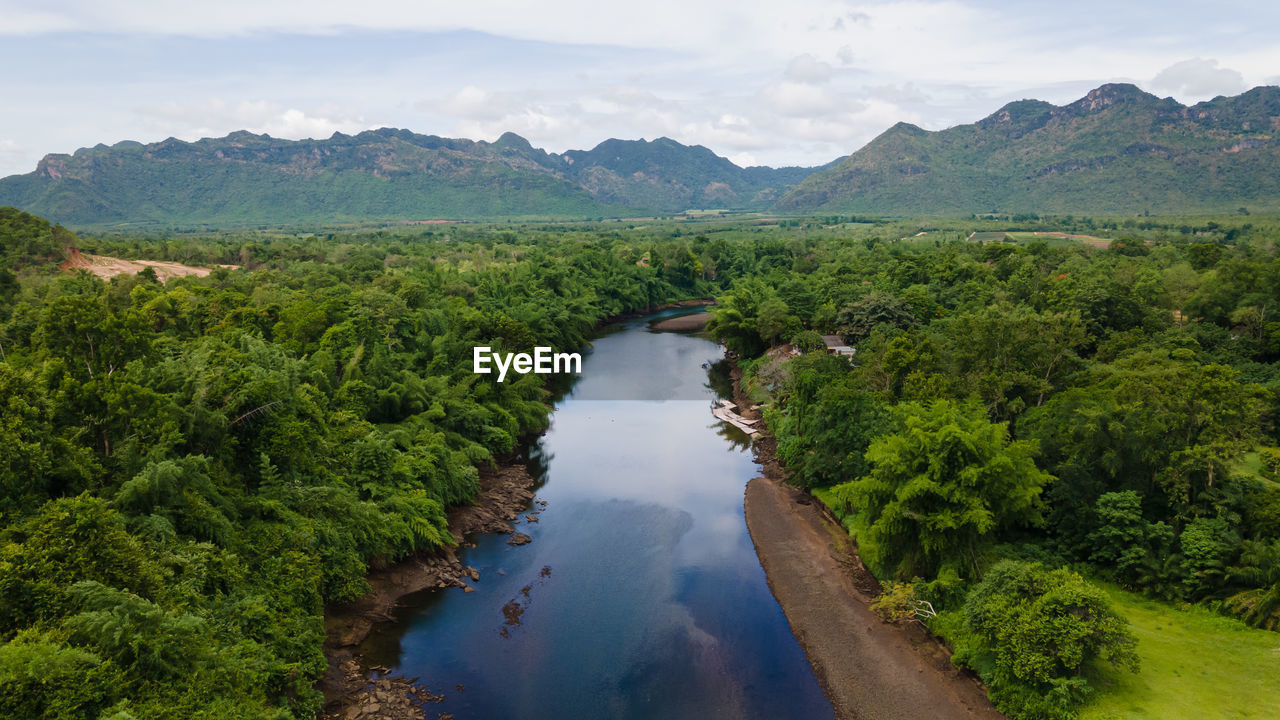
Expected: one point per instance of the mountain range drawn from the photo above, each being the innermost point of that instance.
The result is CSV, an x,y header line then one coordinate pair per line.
x,y
1118,150
383,174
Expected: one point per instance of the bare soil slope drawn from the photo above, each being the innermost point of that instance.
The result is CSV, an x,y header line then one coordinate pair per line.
x,y
106,267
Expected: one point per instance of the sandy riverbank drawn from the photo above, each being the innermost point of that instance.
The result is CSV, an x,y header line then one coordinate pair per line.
x,y
684,323
632,315
870,670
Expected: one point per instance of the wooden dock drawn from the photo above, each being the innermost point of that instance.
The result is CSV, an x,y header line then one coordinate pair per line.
x,y
726,413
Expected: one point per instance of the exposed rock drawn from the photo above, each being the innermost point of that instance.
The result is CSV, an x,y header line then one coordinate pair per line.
x,y
504,494
387,698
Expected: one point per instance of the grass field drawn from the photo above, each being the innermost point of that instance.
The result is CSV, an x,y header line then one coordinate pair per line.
x,y
1196,665
987,237
1058,238
1250,464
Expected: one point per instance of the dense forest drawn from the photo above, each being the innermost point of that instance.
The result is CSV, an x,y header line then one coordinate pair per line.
x,y
1021,418
192,470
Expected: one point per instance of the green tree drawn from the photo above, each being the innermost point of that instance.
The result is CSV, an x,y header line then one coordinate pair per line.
x,y
1012,357
825,423
858,319
68,541
736,318
1042,628
1126,545
942,486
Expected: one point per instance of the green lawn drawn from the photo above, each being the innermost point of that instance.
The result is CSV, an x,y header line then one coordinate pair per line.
x,y
1250,464
986,237
1195,665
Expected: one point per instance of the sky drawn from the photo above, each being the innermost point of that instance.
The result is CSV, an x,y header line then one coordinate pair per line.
x,y
771,83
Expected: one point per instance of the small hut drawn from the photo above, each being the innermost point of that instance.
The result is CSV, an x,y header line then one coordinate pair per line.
x,y
836,346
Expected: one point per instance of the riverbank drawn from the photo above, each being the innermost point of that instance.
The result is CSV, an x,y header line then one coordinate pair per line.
x,y
349,692
869,669
692,322
633,314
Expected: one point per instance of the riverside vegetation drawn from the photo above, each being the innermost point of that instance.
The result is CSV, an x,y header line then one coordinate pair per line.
x,y
192,470
1022,420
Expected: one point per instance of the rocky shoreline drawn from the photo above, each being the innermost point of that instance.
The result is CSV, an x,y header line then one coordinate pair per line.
x,y
349,692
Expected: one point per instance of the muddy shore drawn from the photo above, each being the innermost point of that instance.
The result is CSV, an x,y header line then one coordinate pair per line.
x,y
654,309
349,692
869,669
684,323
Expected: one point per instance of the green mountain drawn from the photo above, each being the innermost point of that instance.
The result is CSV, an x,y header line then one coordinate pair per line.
x,y
382,174
667,175
1117,150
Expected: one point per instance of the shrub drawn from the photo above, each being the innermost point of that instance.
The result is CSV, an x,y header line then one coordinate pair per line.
x,y
1040,629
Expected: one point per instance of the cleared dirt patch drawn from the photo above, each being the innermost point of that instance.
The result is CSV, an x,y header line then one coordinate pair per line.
x,y
105,266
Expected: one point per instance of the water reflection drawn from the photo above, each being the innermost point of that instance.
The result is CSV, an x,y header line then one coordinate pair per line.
x,y
640,595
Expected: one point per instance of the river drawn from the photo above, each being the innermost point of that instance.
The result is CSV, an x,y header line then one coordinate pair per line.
x,y
640,595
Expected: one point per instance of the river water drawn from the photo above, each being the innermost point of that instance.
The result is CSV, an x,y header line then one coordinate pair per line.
x,y
640,595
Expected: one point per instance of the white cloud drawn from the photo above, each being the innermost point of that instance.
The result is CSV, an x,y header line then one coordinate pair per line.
x,y
11,152
217,118
793,99
475,104
1199,78
808,69
630,96
721,135
548,127
743,159
14,158
792,83
850,128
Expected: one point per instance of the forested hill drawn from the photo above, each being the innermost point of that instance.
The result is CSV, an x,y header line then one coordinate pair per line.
x,y
1117,150
667,175
381,174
